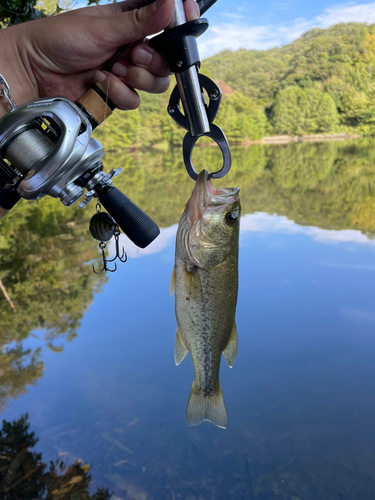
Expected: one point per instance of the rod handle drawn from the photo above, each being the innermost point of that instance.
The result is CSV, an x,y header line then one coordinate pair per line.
x,y
96,105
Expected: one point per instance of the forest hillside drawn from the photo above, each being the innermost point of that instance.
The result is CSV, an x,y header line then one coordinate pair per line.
x,y
323,82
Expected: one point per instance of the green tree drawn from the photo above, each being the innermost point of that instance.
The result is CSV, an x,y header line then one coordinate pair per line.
x,y
241,118
304,111
18,11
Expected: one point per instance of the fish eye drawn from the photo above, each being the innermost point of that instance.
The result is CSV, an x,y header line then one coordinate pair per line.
x,y
231,218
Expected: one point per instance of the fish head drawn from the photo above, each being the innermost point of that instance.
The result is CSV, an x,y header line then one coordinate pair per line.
x,y
209,228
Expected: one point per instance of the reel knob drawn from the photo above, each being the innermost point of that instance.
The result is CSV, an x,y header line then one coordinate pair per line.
x,y
135,223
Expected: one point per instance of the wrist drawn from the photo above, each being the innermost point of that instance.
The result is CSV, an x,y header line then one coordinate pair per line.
x,y
14,67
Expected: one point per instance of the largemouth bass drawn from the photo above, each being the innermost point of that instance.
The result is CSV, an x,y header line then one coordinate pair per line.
x,y
205,279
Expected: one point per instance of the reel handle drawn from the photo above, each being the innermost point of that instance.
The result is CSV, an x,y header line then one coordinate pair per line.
x,y
137,225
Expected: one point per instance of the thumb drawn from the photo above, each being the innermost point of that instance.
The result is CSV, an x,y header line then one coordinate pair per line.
x,y
120,29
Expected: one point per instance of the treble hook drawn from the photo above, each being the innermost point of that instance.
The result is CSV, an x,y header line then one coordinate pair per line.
x,y
105,261
123,257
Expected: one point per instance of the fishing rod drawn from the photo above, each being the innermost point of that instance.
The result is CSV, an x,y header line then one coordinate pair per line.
x,y
46,148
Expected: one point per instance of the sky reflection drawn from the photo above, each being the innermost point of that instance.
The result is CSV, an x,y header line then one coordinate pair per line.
x,y
300,397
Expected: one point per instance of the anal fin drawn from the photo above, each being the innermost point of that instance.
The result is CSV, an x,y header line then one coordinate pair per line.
x,y
230,352
180,350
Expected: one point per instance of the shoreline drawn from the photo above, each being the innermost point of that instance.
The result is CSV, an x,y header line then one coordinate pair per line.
x,y
285,139
268,140
288,139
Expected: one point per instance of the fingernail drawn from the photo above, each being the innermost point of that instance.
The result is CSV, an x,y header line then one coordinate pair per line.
x,y
120,70
142,56
99,77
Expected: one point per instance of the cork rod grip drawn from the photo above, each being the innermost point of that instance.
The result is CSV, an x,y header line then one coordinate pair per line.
x,y
96,105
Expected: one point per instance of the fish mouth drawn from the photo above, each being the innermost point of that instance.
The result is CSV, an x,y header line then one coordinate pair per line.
x,y
212,195
206,197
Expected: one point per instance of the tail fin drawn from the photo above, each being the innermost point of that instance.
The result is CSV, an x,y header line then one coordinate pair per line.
x,y
201,407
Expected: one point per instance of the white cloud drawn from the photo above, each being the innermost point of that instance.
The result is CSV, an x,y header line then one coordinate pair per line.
x,y
233,15
346,13
166,237
236,37
241,35
257,222
262,222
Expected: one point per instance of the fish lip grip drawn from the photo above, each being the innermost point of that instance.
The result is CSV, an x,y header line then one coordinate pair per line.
x,y
179,47
218,136
214,93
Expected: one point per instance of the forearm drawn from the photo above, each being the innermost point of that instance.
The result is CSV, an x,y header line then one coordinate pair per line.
x,y
14,66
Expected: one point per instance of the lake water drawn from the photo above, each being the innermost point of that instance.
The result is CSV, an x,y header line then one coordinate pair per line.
x,y
90,358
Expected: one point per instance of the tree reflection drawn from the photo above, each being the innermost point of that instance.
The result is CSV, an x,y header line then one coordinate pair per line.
x,y
19,368
23,474
47,285
328,184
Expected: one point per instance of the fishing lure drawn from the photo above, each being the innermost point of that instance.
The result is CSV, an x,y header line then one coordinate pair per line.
x,y
102,228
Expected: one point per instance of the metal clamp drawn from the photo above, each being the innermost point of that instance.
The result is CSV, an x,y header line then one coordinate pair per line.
x,y
214,93
218,136
179,46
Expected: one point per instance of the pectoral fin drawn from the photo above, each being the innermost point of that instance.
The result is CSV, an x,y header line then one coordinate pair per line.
x,y
180,350
193,283
230,352
172,284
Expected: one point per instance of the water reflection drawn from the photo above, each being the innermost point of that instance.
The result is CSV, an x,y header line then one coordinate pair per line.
x,y
301,397
328,185
47,285
23,474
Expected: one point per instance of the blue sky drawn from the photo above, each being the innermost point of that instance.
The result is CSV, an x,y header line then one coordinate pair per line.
x,y
270,23
263,24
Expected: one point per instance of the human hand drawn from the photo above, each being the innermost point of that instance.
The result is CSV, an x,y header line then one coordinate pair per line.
x,y
65,54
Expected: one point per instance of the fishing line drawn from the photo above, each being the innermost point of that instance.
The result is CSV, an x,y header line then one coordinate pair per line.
x,y
105,112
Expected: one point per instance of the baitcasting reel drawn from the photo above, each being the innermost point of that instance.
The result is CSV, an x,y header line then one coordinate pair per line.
x,y
46,148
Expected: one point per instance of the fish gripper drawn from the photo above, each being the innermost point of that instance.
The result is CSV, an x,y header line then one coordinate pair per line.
x,y
179,46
